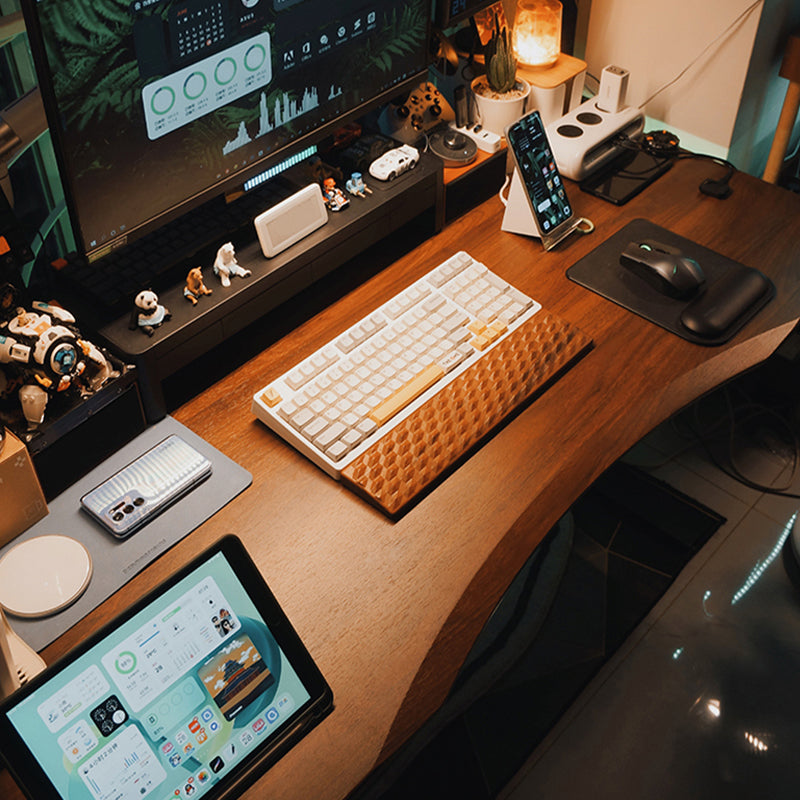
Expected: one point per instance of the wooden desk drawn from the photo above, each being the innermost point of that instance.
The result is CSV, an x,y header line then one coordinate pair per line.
x,y
389,610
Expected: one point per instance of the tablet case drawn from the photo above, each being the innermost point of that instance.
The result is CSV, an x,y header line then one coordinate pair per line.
x,y
195,690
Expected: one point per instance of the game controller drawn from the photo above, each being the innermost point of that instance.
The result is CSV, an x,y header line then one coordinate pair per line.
x,y
424,109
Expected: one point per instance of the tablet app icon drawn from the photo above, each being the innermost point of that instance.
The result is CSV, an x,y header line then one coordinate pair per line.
x,y
236,675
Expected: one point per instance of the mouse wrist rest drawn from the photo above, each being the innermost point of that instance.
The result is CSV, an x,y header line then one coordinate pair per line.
x,y
724,302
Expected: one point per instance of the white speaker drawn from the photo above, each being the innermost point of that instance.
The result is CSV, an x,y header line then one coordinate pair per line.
x,y
588,137
290,220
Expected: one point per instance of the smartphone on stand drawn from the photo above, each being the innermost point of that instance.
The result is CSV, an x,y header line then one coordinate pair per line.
x,y
540,182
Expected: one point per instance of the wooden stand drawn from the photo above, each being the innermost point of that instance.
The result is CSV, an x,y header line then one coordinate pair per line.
x,y
555,89
790,69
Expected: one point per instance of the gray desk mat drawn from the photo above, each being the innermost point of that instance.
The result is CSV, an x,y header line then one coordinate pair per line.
x,y
116,562
602,272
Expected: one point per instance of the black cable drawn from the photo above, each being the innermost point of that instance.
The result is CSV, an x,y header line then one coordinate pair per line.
x,y
666,145
729,427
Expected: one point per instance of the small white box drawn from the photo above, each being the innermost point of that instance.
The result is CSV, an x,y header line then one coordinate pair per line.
x,y
290,220
21,496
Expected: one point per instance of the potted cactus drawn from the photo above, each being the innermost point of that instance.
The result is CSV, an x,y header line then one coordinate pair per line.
x,y
499,94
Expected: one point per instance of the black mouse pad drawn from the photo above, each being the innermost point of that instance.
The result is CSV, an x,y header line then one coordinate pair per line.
x,y
602,272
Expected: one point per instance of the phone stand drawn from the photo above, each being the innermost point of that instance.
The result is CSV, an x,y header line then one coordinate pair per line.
x,y
518,217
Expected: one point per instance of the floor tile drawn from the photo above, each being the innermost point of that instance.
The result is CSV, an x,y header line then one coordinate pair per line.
x,y
594,515
704,705
576,622
446,768
631,592
508,723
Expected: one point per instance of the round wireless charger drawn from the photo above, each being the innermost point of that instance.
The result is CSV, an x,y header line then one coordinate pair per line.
x,y
43,575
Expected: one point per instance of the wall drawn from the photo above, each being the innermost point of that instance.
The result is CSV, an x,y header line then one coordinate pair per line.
x,y
731,96
765,90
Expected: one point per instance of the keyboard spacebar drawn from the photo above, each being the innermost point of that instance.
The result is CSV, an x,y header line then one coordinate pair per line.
x,y
406,394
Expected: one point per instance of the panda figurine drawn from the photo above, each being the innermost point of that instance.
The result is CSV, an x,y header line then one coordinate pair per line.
x,y
148,313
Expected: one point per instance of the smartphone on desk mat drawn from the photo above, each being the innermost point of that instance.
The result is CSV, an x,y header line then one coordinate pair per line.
x,y
626,176
131,497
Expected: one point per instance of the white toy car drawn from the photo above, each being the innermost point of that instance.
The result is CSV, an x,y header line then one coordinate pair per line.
x,y
394,162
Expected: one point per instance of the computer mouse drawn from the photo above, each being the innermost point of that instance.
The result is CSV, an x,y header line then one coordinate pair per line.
x,y
664,268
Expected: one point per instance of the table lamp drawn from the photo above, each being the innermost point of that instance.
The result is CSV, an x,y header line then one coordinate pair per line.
x,y
537,32
556,79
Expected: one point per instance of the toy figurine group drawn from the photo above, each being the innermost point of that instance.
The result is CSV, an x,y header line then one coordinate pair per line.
x,y
148,313
335,198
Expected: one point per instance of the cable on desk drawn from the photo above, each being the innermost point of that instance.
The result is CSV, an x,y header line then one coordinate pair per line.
x,y
664,145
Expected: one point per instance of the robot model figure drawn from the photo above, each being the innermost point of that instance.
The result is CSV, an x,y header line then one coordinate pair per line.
x,y
333,196
355,185
148,313
226,265
195,288
42,354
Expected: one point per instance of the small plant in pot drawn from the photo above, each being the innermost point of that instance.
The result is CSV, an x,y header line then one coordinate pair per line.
x,y
499,94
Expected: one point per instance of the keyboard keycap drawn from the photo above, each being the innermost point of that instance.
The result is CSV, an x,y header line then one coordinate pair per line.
x,y
350,393
408,392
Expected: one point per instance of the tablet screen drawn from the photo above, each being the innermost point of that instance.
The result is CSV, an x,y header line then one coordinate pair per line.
x,y
181,697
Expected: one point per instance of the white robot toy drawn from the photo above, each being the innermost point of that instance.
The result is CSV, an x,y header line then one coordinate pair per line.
x,y
42,353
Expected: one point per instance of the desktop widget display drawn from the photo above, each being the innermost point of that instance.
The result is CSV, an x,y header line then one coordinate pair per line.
x,y
155,102
170,703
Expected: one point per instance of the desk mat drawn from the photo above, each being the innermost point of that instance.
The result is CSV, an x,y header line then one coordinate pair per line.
x,y
602,272
116,562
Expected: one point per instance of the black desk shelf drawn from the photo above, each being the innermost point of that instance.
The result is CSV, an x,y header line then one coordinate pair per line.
x,y
194,330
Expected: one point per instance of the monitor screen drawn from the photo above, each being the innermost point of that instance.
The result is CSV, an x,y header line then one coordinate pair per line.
x,y
198,688
157,105
452,12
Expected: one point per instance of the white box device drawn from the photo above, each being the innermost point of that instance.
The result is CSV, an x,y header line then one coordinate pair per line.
x,y
290,220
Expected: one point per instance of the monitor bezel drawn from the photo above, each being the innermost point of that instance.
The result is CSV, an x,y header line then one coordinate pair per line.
x,y
444,19
33,780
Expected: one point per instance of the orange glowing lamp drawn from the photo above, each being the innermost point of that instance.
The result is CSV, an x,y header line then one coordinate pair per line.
x,y
537,32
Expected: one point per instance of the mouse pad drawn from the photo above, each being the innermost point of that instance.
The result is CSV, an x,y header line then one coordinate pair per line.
x,y
601,272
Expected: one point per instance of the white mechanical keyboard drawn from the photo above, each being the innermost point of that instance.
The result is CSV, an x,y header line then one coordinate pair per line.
x,y
394,401
352,391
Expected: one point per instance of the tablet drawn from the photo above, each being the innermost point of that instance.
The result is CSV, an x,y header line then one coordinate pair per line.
x,y
193,692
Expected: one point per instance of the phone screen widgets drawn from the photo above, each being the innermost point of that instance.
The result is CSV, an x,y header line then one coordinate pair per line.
x,y
539,172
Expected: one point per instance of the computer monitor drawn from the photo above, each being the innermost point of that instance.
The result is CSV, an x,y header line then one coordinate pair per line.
x,y
156,106
454,12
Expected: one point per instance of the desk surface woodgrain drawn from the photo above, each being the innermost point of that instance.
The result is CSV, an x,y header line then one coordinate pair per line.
x,y
390,609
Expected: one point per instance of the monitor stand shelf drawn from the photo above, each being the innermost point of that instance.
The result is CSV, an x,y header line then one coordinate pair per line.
x,y
194,330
